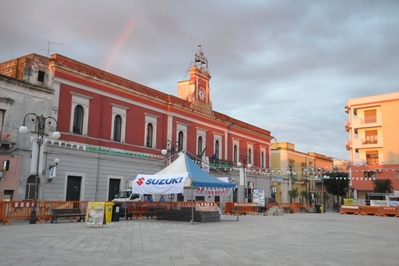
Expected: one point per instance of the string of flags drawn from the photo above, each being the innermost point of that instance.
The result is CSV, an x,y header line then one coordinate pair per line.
x,y
257,171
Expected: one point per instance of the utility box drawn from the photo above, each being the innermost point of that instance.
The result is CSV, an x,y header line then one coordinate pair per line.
x,y
116,209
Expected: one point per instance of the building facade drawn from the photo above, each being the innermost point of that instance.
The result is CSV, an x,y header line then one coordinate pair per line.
x,y
113,129
373,142
293,170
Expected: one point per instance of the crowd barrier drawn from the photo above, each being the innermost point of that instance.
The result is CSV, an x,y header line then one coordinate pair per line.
x,y
142,209
12,210
370,210
241,208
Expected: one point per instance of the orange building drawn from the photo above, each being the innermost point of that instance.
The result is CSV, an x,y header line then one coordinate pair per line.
x,y
373,143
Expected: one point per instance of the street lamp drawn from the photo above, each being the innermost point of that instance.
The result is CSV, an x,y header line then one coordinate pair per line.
x,y
40,122
244,160
238,197
291,168
171,148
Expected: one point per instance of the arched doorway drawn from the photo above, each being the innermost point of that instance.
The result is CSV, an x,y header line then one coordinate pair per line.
x,y
32,189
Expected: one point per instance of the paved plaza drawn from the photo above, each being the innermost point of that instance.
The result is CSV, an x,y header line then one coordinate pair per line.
x,y
293,239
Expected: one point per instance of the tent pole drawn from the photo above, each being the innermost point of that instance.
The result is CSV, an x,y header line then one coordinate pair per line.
x,y
192,206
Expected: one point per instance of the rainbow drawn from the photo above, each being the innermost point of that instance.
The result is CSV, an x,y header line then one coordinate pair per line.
x,y
119,43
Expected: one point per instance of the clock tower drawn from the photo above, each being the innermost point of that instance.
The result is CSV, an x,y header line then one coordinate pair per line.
x,y
196,90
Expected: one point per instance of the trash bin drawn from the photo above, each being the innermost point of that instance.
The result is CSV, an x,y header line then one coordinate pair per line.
x,y
318,209
108,211
116,209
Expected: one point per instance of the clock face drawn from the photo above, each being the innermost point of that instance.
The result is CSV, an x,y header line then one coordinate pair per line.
x,y
201,94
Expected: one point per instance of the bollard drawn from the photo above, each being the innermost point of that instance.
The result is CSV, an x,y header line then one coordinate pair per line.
x,y
321,208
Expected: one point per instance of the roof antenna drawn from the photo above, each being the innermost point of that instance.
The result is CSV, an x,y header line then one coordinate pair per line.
x,y
48,47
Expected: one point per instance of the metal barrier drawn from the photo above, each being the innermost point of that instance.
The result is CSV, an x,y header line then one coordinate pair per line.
x,y
370,210
19,210
241,208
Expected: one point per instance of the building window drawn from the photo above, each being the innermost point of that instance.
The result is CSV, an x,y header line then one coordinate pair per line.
x,y
199,145
78,116
180,140
181,136
250,156
216,151
40,76
201,140
119,122
372,157
262,155
79,113
149,134
370,116
235,153
2,113
117,128
371,137
31,187
368,174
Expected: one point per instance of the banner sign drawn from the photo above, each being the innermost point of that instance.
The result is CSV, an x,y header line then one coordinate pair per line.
x,y
53,172
95,214
159,184
204,191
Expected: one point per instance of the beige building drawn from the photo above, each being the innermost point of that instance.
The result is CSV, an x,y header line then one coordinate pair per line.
x,y
295,170
373,127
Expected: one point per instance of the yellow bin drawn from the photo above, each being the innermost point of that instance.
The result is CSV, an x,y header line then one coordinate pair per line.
x,y
108,211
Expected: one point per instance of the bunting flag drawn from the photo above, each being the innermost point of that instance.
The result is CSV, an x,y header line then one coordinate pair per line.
x,y
204,191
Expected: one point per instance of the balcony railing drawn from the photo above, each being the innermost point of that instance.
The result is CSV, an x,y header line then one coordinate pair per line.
x,y
363,123
8,137
216,163
368,142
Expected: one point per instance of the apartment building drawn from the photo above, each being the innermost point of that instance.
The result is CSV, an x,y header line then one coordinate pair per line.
x,y
113,129
373,127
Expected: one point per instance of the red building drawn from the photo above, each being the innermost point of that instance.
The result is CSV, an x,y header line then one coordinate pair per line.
x,y
113,129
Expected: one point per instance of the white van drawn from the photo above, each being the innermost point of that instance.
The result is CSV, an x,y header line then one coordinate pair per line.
x,y
127,195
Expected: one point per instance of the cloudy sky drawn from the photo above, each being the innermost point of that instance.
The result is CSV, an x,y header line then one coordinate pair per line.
x,y
286,66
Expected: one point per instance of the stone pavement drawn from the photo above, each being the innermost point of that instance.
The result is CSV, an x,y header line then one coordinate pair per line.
x,y
293,239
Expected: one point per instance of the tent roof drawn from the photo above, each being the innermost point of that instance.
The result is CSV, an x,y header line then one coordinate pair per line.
x,y
197,176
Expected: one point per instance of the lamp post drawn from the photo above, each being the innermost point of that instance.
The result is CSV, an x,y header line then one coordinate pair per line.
x,y
290,167
40,122
244,159
238,198
172,148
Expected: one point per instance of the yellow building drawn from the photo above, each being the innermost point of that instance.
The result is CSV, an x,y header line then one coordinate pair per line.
x,y
299,172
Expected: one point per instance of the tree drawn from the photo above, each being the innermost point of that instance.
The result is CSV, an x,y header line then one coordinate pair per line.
x,y
295,193
382,185
337,183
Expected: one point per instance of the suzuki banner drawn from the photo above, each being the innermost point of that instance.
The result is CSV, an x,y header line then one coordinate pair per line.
x,y
159,184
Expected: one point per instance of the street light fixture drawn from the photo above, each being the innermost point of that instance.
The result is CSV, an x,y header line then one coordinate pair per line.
x,y
244,159
231,180
40,122
291,172
171,148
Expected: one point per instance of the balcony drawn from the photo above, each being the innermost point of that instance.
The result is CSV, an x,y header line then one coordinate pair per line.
x,y
8,137
348,145
347,126
362,143
362,123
